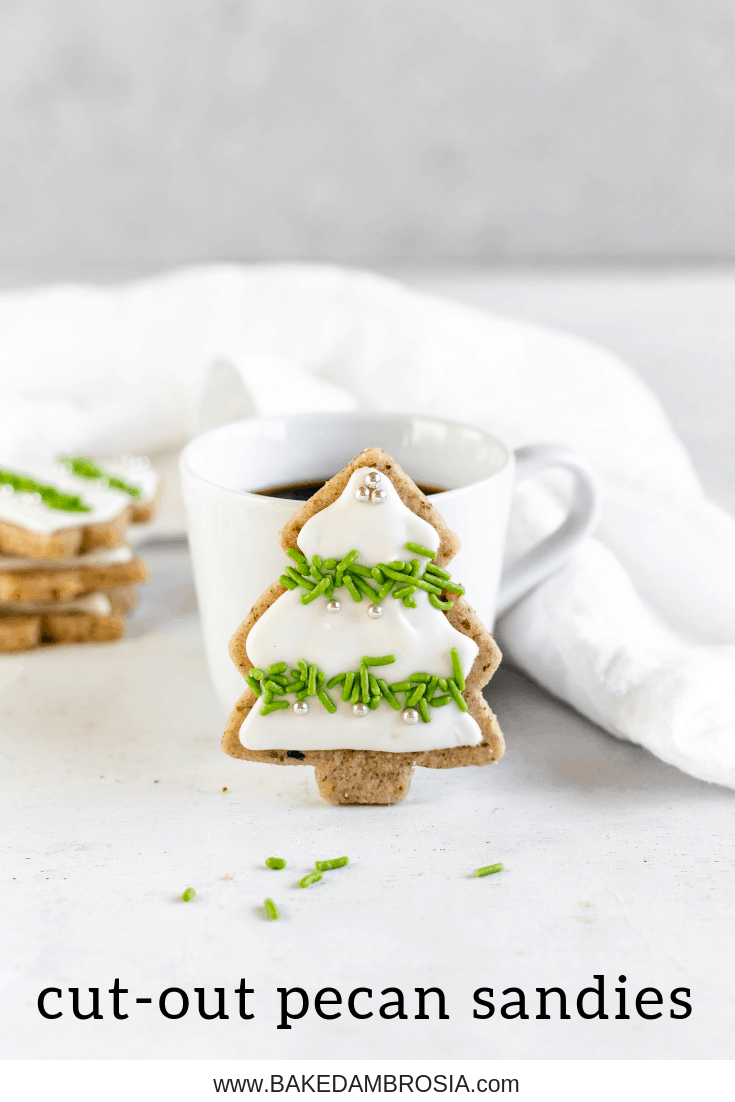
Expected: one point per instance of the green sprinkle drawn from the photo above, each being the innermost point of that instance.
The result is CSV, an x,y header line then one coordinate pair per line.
x,y
271,909
329,591
327,701
276,706
294,686
254,685
374,702
378,575
309,879
453,587
402,591
362,571
296,674
385,589
420,582
347,686
367,588
275,862
432,687
303,668
316,562
336,680
364,684
50,496
457,668
415,567
415,695
273,687
287,582
388,695
374,687
352,589
317,591
330,563
443,605
397,564
419,550
487,870
400,687
409,602
443,684
348,560
431,568
459,700
257,673
83,467
334,863
440,701
424,710
188,895
267,697
296,555
291,573
378,660
423,677
311,680
355,695
302,694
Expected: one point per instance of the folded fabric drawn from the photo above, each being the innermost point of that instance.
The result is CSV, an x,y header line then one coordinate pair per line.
x,y
637,632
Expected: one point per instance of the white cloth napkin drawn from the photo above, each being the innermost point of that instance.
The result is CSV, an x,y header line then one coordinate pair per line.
x,y
637,632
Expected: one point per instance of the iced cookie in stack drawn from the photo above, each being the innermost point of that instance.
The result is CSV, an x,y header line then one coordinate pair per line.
x,y
66,572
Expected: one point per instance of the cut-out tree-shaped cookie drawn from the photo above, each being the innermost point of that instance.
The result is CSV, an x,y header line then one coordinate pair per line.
x,y
364,660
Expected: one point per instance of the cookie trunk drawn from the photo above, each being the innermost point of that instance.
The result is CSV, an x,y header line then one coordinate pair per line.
x,y
357,777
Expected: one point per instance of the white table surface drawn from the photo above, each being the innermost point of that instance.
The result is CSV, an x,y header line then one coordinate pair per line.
x,y
113,803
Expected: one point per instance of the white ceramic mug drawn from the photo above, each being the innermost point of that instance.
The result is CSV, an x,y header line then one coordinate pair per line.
x,y
233,531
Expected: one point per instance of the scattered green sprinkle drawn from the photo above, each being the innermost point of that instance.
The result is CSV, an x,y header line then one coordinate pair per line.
x,y
336,680
287,582
347,686
379,660
311,680
254,685
419,550
271,909
438,572
364,684
415,695
257,673
400,686
378,575
443,684
440,701
291,573
275,706
84,467
352,589
457,668
50,496
453,587
296,555
355,695
275,862
404,591
362,571
420,676
188,895
487,870
374,702
459,700
443,606
409,602
317,591
330,563
424,710
333,863
273,687
309,879
303,669
327,701
385,589
395,705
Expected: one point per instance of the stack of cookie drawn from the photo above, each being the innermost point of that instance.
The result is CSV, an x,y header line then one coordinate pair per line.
x,y
67,574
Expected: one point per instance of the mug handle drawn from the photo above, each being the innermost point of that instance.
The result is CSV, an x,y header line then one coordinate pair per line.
x,y
548,555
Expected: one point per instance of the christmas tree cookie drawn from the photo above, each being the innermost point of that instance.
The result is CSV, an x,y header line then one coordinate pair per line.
x,y
364,660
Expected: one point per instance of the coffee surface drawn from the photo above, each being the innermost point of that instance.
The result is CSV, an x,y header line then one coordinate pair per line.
x,y
302,491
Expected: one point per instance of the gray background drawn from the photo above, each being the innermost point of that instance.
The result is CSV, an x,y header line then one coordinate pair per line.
x,y
138,134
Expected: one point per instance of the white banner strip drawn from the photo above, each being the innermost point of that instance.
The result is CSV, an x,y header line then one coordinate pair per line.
x,y
201,1080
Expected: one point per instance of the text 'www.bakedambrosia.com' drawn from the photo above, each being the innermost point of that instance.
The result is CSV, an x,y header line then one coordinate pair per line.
x,y
366,1084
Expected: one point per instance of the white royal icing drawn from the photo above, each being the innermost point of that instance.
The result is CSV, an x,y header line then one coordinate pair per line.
x,y
420,638
20,509
107,556
137,470
97,603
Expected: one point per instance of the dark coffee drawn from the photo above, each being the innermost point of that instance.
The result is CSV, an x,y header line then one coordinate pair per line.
x,y
302,491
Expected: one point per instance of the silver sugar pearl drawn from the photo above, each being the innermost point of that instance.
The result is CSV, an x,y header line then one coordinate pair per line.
x,y
360,709
362,494
372,480
377,497
375,611
410,716
333,606
301,707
